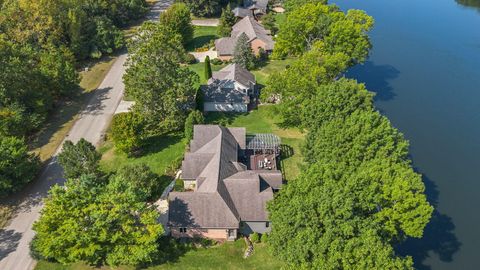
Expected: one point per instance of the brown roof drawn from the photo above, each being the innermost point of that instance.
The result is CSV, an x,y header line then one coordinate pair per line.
x,y
226,192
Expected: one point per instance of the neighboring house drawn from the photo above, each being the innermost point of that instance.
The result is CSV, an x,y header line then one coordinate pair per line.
x,y
254,8
232,89
228,196
258,37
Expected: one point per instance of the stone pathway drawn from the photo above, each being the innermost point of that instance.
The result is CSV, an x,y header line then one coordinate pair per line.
x,y
200,56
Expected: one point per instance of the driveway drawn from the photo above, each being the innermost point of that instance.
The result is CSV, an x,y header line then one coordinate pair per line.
x,y
206,22
200,56
91,125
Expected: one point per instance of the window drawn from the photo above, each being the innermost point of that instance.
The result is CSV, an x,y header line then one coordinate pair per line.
x,y
267,224
183,230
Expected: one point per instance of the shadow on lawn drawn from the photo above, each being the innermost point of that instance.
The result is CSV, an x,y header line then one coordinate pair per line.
x,y
199,42
222,118
156,144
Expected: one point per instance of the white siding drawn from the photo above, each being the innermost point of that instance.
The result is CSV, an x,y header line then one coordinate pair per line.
x,y
224,107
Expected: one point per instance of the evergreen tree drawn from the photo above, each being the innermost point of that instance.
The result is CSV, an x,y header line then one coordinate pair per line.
x,y
208,68
227,20
194,118
243,54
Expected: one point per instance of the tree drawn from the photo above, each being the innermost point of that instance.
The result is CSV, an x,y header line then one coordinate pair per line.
x,y
78,159
208,68
341,33
328,218
299,83
88,221
194,118
269,22
360,137
242,53
291,5
335,100
17,165
163,89
203,8
227,20
137,180
128,132
177,18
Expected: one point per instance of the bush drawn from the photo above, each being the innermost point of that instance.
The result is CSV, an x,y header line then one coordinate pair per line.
x,y
194,118
190,59
127,132
264,238
255,238
216,61
17,165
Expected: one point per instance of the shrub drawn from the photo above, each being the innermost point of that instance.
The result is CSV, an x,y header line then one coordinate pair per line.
x,y
127,132
255,238
194,118
264,238
190,59
216,61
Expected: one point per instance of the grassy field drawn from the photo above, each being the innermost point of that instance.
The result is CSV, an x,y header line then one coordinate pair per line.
x,y
270,67
266,120
202,36
225,256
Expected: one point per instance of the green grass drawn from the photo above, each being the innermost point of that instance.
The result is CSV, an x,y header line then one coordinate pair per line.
x,y
199,68
226,256
159,153
202,36
266,120
270,67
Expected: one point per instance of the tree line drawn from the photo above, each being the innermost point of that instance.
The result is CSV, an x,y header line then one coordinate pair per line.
x,y
40,44
358,195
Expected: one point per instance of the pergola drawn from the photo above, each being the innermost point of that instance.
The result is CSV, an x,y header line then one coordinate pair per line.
x,y
264,142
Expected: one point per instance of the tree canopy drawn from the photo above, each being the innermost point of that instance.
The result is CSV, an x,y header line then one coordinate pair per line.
x,y
227,20
317,22
203,8
17,165
242,53
177,19
78,159
163,89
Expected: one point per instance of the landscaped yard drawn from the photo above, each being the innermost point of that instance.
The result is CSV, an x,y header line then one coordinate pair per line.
x,y
202,36
266,120
159,154
270,67
225,256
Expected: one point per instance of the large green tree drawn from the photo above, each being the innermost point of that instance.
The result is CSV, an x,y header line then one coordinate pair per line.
x,y
163,89
299,83
78,159
242,53
177,19
203,8
17,165
88,221
128,132
341,33
227,20
327,219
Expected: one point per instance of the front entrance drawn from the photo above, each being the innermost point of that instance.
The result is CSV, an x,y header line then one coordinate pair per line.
x,y
232,234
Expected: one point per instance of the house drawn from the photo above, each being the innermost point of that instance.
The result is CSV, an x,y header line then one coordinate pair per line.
x,y
228,194
231,89
254,8
258,37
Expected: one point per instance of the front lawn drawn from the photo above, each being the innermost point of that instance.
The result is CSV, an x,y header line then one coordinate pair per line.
x,y
266,120
271,66
160,154
201,37
226,256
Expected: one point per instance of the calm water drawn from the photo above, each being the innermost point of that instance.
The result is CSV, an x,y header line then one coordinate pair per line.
x,y
425,69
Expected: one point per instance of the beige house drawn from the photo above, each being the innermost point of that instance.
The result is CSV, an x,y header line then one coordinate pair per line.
x,y
258,37
229,194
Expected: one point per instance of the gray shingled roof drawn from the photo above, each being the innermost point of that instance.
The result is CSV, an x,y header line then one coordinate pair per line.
x,y
225,45
256,4
219,88
253,30
226,192
241,12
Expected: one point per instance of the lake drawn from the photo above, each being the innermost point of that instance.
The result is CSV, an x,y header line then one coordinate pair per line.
x,y
424,67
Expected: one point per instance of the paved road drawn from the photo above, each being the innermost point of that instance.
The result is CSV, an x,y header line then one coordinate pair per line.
x,y
206,22
92,123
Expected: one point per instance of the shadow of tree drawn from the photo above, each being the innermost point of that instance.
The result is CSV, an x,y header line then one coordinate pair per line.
x,y
438,237
286,151
8,242
158,143
222,118
376,78
200,41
